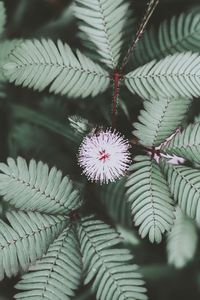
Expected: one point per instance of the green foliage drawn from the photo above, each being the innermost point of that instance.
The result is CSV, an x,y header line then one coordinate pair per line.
x,y
57,274
178,34
103,22
45,227
159,119
181,240
186,143
184,185
174,76
34,187
151,203
26,239
45,230
109,268
38,64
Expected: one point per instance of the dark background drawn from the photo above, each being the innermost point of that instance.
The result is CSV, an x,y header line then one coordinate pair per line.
x,y
42,18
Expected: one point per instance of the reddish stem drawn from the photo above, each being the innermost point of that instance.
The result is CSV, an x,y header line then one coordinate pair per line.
x,y
150,9
116,77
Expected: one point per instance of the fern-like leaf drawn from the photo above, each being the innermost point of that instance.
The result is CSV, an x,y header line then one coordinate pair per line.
x,y
172,77
38,64
185,188
181,240
180,33
103,23
159,119
2,17
186,143
26,240
151,204
34,187
109,269
57,275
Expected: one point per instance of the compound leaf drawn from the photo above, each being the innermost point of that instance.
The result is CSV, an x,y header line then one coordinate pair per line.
x,y
109,269
57,274
186,143
38,64
151,204
181,240
185,188
179,34
103,22
159,119
172,77
34,187
26,239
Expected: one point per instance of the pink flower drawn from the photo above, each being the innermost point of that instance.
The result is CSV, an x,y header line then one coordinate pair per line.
x,y
104,156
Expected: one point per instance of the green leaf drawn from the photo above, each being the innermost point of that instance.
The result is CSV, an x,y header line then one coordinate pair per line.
x,y
172,77
151,203
185,188
181,240
6,48
186,143
38,64
2,17
179,34
26,240
57,274
159,119
35,187
109,269
103,22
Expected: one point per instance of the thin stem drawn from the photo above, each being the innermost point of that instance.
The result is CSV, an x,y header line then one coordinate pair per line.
x,y
119,74
117,78
151,7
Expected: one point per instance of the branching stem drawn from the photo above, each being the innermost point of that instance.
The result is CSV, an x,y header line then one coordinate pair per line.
x,y
151,7
119,73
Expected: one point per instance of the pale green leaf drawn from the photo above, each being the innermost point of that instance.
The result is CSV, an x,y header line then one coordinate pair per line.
x,y
151,203
185,187
110,270
172,77
186,143
181,240
26,239
178,34
39,64
57,274
103,22
35,187
159,119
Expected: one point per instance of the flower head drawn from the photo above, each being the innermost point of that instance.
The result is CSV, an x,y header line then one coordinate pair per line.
x,y
104,156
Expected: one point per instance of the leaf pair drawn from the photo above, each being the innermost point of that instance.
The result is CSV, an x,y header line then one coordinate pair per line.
x,y
41,237
39,64
152,185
